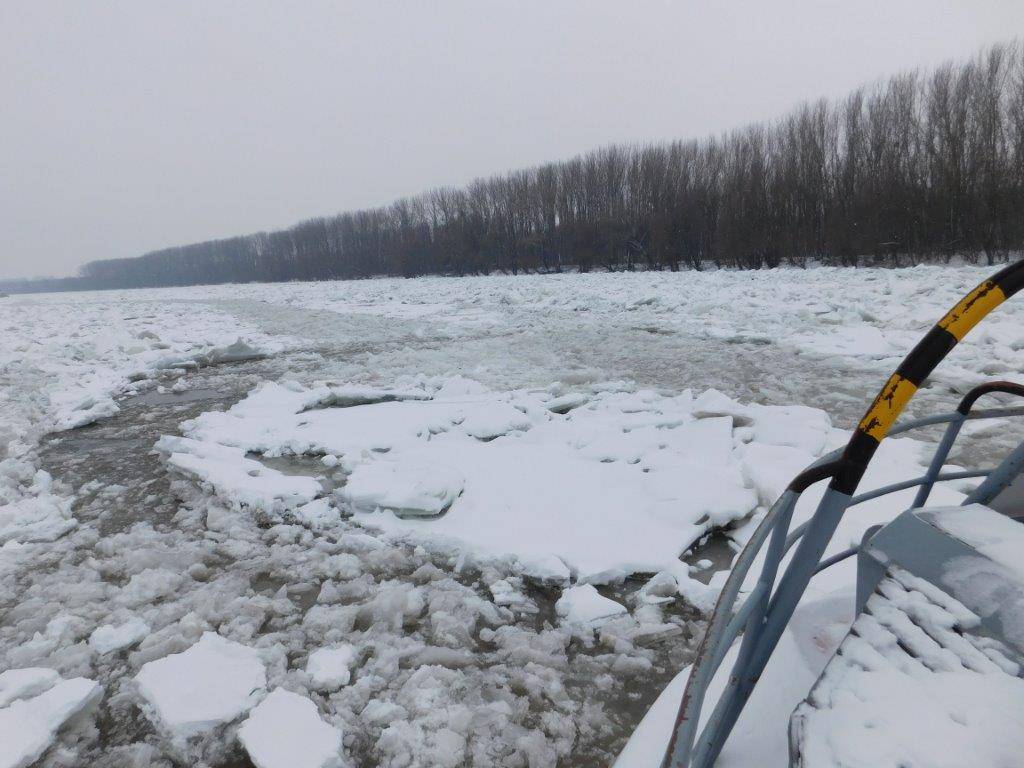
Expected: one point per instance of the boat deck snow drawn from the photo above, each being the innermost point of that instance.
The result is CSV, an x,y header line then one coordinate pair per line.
x,y
916,683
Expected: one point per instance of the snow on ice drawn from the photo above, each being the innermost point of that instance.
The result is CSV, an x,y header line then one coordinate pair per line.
x,y
285,731
40,704
619,485
583,604
330,668
212,683
109,638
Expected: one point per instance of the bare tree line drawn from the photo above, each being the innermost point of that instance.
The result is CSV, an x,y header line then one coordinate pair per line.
x,y
923,166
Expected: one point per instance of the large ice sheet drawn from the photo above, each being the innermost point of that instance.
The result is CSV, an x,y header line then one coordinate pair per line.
x,y
622,483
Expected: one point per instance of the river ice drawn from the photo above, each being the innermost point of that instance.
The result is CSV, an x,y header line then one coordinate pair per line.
x,y
425,472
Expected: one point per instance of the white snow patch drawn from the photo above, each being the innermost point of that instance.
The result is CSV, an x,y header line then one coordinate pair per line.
x,y
409,488
211,683
109,638
24,683
29,726
583,604
996,536
330,668
285,731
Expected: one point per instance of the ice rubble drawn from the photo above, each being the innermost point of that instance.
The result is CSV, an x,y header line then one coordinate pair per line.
x,y
109,638
330,668
62,361
870,316
285,731
36,705
211,683
583,604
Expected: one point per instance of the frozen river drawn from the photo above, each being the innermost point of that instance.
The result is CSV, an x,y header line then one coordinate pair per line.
x,y
464,647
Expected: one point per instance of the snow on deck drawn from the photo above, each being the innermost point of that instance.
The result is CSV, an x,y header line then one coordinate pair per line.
x,y
996,536
912,686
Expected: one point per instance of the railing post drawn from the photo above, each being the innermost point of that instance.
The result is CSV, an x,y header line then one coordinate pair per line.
x,y
791,587
938,459
999,478
713,737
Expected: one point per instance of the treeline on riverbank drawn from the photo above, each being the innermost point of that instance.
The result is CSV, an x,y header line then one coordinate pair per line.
x,y
919,167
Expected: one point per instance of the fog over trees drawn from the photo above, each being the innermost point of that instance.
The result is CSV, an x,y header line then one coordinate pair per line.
x,y
923,166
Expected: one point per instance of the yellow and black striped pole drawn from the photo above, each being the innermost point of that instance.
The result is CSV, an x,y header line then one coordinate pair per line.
x,y
916,367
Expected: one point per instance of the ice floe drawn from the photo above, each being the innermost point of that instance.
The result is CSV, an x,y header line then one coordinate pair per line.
x,y
583,604
109,638
211,683
285,731
624,482
330,668
29,723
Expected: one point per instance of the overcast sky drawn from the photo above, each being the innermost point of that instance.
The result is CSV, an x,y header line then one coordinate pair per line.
x,y
134,126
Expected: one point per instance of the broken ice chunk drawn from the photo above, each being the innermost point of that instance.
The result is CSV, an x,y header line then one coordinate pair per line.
x,y
235,477
212,682
549,569
23,683
238,352
583,604
285,731
507,594
566,403
35,518
489,420
108,638
318,514
714,403
409,488
29,726
796,426
329,668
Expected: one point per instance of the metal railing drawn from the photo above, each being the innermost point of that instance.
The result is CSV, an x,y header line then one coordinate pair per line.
x,y
768,606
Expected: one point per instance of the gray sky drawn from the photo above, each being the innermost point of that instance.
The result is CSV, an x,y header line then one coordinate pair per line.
x,y
133,126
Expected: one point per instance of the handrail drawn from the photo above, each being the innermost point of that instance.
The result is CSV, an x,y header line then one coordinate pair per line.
x,y
765,616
